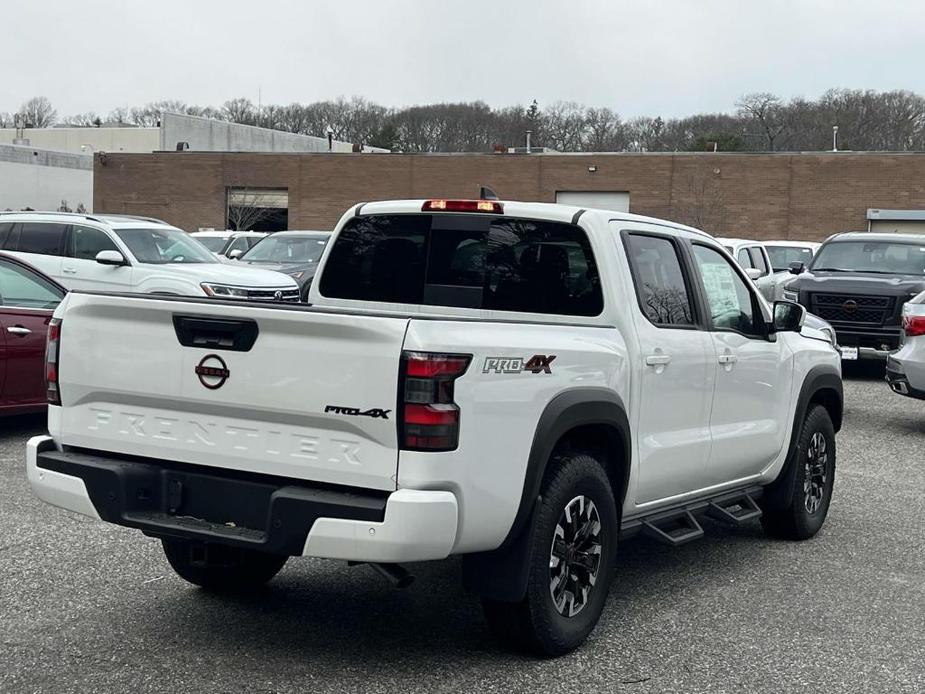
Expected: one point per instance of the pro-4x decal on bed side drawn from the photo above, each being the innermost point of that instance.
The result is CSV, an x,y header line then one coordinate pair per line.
x,y
373,412
538,363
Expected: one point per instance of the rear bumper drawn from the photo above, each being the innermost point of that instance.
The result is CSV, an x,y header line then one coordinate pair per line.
x,y
900,382
271,514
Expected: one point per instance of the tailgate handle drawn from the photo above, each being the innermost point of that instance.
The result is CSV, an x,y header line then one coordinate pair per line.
x,y
235,335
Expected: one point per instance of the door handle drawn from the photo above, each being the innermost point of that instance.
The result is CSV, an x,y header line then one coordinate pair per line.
x,y
69,271
19,330
727,359
657,359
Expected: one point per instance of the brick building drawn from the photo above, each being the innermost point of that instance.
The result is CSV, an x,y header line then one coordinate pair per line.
x,y
774,195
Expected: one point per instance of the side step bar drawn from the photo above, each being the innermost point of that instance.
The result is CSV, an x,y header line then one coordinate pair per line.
x,y
734,511
673,530
679,525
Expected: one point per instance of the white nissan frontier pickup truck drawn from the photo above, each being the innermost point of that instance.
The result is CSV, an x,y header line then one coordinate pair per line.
x,y
523,384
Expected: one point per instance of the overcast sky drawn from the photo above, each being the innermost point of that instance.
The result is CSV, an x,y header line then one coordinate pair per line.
x,y
639,57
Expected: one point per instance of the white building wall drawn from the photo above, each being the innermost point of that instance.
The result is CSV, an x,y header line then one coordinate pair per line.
x,y
88,140
206,135
41,180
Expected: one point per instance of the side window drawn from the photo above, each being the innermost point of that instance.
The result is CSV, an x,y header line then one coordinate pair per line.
x,y
21,288
540,267
745,260
41,238
758,259
659,281
86,242
4,232
732,306
254,240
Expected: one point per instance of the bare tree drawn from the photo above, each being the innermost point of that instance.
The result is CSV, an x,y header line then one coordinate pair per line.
x,y
83,120
564,126
702,205
120,114
240,110
250,210
7,120
767,112
38,112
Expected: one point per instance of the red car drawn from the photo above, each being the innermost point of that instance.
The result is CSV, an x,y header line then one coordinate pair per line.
x,y
27,300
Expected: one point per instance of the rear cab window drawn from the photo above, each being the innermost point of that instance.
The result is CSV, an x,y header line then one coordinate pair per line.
x,y
465,261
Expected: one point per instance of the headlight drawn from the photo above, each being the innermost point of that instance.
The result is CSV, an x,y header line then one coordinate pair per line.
x,y
223,290
828,332
791,296
296,275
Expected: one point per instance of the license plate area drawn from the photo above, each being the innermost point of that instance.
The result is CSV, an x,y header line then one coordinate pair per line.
x,y
849,353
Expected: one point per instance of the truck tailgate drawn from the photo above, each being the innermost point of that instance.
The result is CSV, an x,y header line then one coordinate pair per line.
x,y
312,398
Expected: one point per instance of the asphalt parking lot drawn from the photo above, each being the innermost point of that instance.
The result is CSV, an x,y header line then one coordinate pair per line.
x,y
88,607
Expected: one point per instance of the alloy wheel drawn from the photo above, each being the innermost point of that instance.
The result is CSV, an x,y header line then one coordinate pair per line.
x,y
575,556
816,473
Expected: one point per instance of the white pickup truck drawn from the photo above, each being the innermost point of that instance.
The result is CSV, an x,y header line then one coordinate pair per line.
x,y
523,384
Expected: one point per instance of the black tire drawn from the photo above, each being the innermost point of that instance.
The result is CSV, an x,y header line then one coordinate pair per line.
x,y
804,512
220,568
536,623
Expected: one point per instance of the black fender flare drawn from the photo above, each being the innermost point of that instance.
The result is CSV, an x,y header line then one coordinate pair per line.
x,y
823,377
501,574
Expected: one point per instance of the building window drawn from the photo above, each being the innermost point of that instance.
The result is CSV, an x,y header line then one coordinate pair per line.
x,y
258,209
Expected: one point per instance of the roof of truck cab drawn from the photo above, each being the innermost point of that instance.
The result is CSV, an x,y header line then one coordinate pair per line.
x,y
551,211
888,236
792,244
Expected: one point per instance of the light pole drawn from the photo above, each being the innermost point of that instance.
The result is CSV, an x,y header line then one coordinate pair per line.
x,y
834,138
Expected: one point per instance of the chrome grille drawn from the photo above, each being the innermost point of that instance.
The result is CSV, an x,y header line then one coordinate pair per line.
x,y
287,294
852,308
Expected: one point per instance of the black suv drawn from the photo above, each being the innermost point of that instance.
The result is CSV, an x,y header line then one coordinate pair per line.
x,y
858,282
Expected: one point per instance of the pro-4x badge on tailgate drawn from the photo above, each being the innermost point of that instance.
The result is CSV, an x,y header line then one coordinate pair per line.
x,y
538,363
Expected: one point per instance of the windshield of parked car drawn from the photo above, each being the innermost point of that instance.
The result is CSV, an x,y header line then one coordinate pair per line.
x,y
287,249
213,243
163,246
782,256
880,257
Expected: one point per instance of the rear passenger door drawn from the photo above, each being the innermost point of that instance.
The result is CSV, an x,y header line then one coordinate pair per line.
x,y
80,269
40,244
678,369
753,373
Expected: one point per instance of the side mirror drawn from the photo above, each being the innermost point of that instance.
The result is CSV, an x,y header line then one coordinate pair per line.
x,y
236,253
753,273
788,317
797,267
110,258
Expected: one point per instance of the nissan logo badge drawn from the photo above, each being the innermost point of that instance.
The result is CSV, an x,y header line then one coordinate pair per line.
x,y
212,371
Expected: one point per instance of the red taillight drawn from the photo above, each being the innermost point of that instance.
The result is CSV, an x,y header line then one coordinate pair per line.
x,y
492,206
914,325
429,417
53,394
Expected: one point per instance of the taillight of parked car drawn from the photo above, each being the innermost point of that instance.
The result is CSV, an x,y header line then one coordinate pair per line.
x,y
914,320
52,349
429,417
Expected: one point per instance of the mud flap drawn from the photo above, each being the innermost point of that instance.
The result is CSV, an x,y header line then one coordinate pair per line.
x,y
502,573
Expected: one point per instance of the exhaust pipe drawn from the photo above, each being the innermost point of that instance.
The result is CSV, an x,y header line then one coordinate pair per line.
x,y
396,574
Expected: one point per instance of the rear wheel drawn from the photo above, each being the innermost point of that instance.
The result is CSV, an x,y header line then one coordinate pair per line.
x,y
571,561
220,568
805,511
